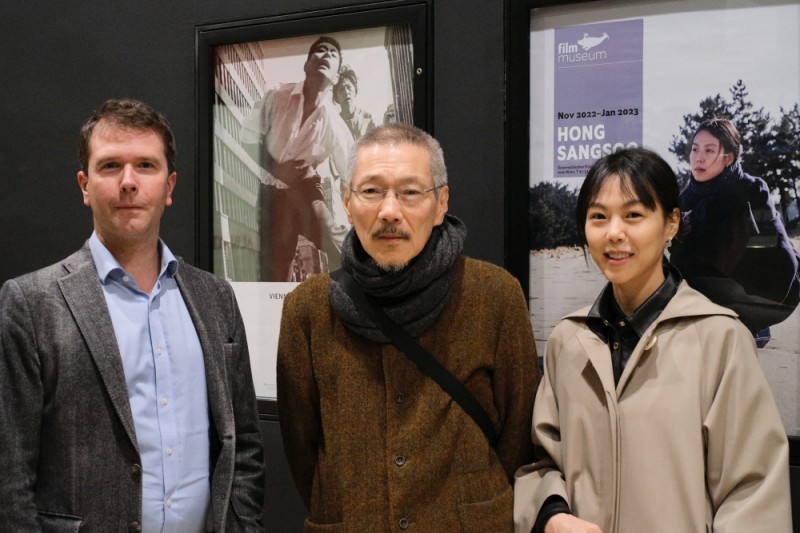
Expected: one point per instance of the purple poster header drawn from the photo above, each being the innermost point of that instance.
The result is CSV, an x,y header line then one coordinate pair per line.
x,y
598,93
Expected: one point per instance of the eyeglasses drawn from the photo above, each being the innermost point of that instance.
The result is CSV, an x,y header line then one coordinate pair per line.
x,y
408,195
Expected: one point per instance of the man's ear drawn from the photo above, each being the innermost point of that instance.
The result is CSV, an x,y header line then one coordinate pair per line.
x,y
171,179
346,197
83,183
441,204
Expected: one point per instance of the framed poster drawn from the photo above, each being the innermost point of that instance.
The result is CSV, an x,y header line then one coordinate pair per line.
x,y
280,103
596,76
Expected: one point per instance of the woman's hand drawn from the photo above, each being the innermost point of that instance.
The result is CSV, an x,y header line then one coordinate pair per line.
x,y
566,523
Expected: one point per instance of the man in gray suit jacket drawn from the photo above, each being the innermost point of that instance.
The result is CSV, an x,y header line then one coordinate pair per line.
x,y
126,397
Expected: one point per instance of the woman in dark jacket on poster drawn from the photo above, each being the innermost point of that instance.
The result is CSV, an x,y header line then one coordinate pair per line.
x,y
733,246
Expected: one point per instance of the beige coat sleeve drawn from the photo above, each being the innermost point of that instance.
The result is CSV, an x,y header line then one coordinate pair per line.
x,y
747,450
535,482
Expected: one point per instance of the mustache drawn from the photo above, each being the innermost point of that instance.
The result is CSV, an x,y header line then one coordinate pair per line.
x,y
392,231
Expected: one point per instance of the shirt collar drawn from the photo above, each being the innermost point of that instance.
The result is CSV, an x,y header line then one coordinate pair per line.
x,y
605,309
327,94
297,90
107,265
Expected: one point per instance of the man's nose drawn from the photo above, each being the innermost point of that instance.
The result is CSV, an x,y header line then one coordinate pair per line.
x,y
390,209
128,183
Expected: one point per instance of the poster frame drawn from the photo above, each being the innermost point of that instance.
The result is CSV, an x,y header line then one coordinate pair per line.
x,y
517,162
307,23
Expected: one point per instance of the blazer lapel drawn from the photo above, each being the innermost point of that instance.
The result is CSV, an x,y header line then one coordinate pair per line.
x,y
207,324
84,296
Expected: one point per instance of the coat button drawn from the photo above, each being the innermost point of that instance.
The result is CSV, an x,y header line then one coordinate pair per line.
x,y
399,397
136,471
403,523
135,527
399,460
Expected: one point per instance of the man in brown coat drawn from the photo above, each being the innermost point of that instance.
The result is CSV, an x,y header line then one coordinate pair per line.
x,y
374,444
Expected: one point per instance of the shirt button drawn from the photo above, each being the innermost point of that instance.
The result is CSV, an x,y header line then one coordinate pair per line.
x,y
126,279
169,452
399,460
399,397
164,401
169,503
615,345
622,323
403,523
158,351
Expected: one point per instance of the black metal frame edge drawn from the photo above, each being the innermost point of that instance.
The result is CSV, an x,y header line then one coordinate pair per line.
x,y
415,12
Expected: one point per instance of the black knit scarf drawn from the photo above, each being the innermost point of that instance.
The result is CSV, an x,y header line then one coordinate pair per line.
x,y
414,296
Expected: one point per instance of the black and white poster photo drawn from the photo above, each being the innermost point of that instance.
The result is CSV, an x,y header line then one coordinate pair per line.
x,y
286,113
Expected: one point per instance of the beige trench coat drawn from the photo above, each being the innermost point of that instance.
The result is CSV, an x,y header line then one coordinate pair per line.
x,y
690,440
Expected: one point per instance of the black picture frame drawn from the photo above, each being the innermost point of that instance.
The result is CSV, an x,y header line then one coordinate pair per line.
x,y
517,160
413,15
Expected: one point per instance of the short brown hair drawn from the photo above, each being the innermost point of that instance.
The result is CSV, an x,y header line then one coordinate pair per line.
x,y
129,114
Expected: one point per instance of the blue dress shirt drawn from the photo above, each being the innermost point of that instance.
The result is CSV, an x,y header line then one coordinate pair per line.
x,y
165,376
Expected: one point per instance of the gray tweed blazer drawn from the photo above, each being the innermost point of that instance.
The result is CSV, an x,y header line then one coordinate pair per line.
x,y
69,459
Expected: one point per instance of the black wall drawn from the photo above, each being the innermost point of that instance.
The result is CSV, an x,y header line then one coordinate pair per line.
x,y
62,59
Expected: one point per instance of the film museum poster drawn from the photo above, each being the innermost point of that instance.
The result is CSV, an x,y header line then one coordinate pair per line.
x,y
268,229
610,75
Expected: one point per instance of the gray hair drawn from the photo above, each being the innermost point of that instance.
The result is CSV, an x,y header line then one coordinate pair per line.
x,y
399,133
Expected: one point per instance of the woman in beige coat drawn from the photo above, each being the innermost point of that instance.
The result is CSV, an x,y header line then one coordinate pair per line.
x,y
653,413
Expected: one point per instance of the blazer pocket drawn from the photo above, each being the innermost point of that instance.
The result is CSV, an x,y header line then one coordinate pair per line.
x,y
59,523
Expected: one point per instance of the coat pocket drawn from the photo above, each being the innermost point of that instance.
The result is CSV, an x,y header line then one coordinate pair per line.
x,y
495,514
311,527
59,523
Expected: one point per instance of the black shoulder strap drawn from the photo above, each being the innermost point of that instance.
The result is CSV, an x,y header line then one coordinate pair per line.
x,y
416,353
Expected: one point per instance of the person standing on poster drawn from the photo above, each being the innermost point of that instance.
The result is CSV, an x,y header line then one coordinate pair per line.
x,y
373,443
390,115
125,384
358,120
296,134
733,246
653,413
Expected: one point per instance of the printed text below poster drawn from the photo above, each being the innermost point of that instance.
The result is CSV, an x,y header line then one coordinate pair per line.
x,y
598,93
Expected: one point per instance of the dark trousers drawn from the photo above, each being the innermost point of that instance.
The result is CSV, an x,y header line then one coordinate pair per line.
x,y
285,214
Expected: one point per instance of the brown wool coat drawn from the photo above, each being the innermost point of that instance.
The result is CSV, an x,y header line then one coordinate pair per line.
x,y
375,445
